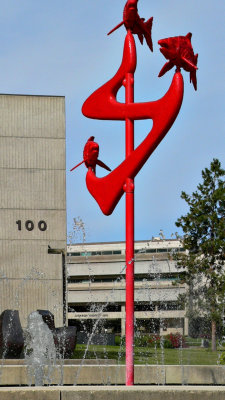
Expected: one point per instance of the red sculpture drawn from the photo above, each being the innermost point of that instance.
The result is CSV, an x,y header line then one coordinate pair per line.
x,y
178,50
102,104
133,22
107,191
90,154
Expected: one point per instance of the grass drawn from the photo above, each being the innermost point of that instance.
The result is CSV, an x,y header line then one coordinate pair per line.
x,y
186,356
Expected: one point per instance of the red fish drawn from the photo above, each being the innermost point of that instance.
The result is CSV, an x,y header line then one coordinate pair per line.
x,y
90,156
178,50
132,21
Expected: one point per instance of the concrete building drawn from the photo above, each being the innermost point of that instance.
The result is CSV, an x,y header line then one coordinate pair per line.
x,y
32,204
96,287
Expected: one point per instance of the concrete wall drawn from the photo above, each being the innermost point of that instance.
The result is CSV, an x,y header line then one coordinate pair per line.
x,y
97,267
113,393
32,203
118,296
103,374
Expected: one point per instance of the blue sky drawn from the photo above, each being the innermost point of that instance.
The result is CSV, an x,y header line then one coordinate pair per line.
x,y
61,48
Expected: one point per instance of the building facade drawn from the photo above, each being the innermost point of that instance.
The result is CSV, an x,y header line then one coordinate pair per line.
x,y
96,287
32,204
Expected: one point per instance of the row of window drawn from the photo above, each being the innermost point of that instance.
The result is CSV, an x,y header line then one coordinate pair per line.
x,y
143,278
95,253
111,252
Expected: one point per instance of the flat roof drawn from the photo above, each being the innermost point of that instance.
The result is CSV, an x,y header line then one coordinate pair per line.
x,y
123,241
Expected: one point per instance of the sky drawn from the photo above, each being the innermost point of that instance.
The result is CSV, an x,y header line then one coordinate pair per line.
x,y
61,48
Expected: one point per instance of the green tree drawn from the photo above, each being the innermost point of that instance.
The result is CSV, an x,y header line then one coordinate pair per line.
x,y
204,240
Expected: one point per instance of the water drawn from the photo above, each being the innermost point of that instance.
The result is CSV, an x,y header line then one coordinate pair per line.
x,y
96,324
40,351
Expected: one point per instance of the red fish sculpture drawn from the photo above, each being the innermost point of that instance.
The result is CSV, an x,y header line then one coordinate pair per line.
x,y
178,50
90,156
133,22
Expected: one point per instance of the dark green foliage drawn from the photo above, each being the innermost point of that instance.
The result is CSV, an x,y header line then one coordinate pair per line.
x,y
204,239
117,340
200,327
171,341
222,358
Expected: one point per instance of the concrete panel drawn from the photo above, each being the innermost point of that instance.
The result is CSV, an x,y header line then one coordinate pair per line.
x,y
113,393
88,285
54,223
20,257
105,296
101,268
32,189
140,245
29,294
32,393
115,375
145,393
118,315
32,116
38,153
192,375
67,361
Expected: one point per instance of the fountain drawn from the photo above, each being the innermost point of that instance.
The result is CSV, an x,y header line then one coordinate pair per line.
x,y
43,342
40,351
41,368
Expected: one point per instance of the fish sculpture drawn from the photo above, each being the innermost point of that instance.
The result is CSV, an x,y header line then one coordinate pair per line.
x,y
133,22
178,50
90,156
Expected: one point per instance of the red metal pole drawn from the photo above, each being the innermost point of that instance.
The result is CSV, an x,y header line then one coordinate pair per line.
x,y
129,189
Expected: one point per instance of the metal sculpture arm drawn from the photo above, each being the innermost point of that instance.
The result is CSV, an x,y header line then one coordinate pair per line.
x,y
102,104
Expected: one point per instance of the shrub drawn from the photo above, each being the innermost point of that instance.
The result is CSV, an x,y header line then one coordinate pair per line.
x,y
222,358
154,341
171,341
141,341
117,340
167,344
177,340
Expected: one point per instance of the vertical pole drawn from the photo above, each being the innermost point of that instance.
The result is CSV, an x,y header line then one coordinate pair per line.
x,y
129,189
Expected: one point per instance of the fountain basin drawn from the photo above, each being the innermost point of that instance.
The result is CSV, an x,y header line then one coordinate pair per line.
x,y
114,393
16,375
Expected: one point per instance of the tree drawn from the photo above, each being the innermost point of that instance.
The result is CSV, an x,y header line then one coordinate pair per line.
x,y
204,242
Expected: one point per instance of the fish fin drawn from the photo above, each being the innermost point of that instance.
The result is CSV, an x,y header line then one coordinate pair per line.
x,y
147,33
166,68
116,27
189,36
140,37
77,165
148,24
189,63
103,165
193,79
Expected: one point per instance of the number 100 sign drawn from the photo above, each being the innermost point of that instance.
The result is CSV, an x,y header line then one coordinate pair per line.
x,y
29,225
